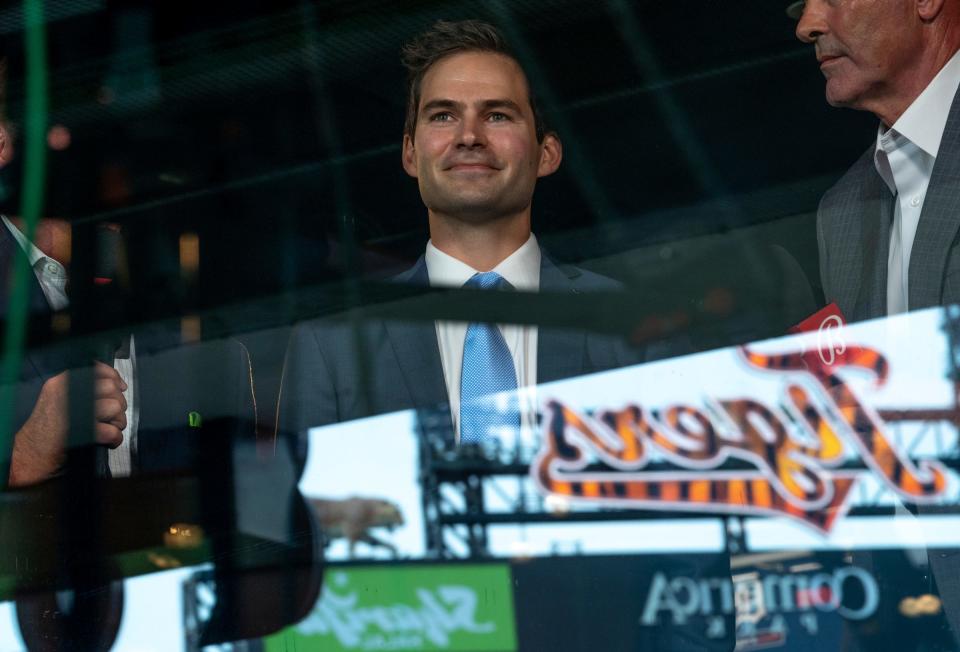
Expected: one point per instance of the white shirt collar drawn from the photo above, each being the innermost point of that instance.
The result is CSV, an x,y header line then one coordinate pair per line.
x,y
924,120
33,253
521,269
51,275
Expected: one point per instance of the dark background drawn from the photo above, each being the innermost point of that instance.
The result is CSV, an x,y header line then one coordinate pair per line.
x,y
273,129
697,143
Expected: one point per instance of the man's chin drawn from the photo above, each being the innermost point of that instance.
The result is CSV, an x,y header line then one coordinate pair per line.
x,y
473,212
840,97
476,214
477,204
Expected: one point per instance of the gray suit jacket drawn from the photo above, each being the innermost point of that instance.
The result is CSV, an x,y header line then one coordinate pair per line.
x,y
853,229
335,371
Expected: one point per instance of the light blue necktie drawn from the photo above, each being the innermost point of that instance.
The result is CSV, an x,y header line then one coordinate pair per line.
x,y
487,370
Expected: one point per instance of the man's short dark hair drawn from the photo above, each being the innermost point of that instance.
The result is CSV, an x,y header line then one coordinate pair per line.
x,y
447,38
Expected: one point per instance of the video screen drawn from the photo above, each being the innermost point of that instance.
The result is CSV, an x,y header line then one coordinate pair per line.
x,y
776,494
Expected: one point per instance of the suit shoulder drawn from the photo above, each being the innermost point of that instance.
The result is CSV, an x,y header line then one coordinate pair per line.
x,y
588,281
316,332
335,337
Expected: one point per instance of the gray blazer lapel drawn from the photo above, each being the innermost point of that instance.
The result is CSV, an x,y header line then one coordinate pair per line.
x,y
877,218
418,354
854,230
415,345
560,353
939,220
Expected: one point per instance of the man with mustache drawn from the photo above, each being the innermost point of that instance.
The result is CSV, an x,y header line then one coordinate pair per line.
x,y
476,143
888,229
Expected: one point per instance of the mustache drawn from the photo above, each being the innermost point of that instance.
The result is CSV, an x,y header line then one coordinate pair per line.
x,y
826,50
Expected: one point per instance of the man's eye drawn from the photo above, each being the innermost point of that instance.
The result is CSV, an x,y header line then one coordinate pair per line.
x,y
443,116
498,117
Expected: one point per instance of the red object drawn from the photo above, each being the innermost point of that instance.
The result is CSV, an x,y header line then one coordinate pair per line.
x,y
99,280
826,316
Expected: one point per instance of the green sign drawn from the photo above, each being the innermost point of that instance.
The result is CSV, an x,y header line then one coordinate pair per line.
x,y
397,608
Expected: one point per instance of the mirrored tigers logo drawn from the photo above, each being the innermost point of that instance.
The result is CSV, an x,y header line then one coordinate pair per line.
x,y
800,459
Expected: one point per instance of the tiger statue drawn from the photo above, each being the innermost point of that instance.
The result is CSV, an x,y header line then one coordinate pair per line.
x,y
352,518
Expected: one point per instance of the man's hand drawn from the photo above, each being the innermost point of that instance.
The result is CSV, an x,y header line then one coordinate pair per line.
x,y
110,407
38,447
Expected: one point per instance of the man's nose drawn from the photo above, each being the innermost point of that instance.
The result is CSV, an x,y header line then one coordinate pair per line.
x,y
813,23
471,132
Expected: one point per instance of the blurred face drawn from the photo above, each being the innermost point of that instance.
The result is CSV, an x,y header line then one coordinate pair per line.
x,y
6,144
867,49
475,153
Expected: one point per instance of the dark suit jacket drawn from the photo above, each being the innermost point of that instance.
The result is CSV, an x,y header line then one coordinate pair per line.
x,y
853,229
326,381
945,567
36,365
10,251
212,379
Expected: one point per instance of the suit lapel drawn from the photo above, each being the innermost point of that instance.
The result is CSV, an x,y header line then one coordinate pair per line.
x,y
10,254
560,353
938,221
855,218
876,220
415,345
418,354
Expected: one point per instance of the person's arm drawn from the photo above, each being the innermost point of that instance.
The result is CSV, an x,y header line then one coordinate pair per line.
x,y
38,446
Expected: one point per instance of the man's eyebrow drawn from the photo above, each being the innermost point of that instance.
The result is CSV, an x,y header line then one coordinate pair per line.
x,y
502,104
432,105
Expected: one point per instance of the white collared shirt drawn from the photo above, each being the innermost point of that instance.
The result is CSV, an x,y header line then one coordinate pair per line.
x,y
52,277
522,270
904,157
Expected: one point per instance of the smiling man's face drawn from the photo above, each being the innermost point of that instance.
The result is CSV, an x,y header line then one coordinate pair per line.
x,y
474,151
867,49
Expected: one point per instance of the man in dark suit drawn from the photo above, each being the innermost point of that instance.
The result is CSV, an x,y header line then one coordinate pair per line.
x,y
170,386
40,413
476,143
888,229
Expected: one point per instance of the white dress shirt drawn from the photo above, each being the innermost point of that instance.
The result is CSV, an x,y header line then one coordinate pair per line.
x,y
521,269
52,277
904,157
120,458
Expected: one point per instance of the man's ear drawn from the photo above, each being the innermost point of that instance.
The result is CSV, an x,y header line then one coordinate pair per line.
x,y
551,153
409,156
929,9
